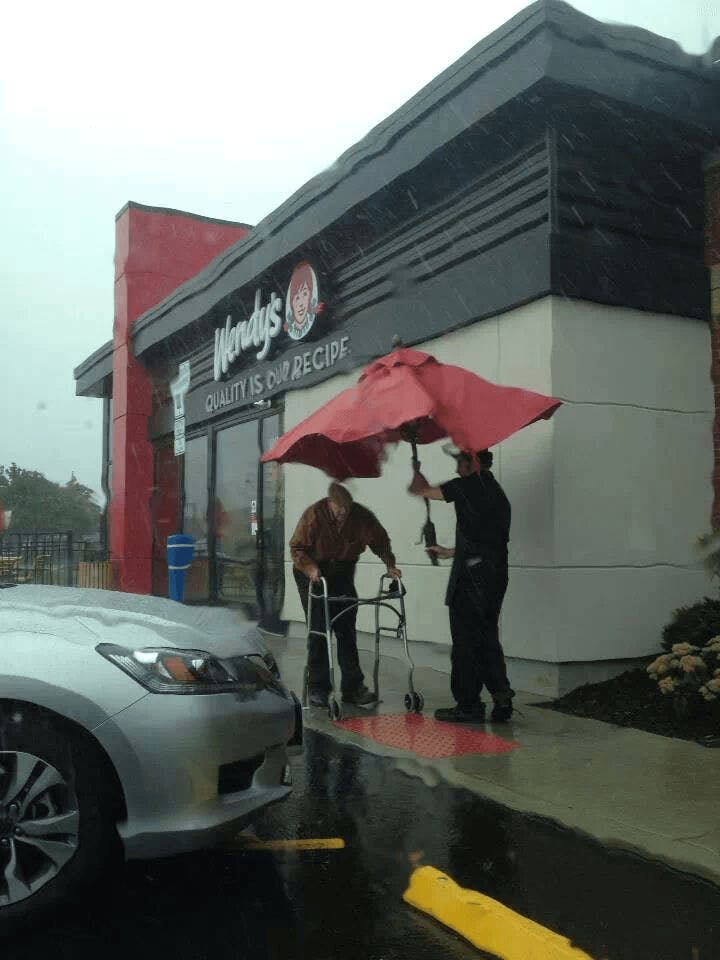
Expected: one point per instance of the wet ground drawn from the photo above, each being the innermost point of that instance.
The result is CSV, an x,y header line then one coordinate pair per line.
x,y
347,903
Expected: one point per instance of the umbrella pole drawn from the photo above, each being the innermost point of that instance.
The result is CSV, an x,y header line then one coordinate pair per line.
x,y
428,534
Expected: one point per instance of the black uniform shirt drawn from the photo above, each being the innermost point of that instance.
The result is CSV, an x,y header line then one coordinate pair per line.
x,y
483,517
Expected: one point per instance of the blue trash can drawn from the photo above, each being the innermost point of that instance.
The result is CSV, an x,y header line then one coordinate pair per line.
x,y
180,549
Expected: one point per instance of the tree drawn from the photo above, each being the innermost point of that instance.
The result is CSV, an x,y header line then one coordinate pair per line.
x,y
40,504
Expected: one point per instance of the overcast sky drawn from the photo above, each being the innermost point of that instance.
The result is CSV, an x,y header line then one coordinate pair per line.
x,y
222,109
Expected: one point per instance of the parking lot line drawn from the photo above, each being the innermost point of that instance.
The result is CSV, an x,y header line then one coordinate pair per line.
x,y
325,843
486,923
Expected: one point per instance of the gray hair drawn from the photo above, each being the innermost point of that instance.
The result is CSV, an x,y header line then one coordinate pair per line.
x,y
340,495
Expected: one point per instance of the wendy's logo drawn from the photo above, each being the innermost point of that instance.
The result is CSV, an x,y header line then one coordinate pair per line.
x,y
302,306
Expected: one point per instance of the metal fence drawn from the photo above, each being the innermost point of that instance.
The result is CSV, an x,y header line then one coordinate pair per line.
x,y
53,557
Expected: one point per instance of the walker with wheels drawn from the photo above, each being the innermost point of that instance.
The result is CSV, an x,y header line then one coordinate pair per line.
x,y
390,596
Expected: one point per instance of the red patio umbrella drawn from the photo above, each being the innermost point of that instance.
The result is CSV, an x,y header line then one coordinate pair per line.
x,y
407,395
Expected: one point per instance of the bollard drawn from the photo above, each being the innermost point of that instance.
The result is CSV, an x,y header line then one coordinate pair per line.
x,y
180,548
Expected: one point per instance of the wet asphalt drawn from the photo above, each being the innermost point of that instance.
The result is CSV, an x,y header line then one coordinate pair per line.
x,y
347,903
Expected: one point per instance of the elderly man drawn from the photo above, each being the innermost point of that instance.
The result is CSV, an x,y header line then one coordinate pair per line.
x,y
476,588
328,540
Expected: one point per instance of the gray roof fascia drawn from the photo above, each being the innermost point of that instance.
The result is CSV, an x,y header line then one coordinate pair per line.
x,y
92,372
533,45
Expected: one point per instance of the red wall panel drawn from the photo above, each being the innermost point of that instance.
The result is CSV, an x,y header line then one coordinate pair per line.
x,y
155,251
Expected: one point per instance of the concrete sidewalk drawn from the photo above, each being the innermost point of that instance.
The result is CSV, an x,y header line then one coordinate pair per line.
x,y
623,787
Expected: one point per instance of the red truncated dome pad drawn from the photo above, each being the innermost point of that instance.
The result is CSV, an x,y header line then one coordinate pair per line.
x,y
425,737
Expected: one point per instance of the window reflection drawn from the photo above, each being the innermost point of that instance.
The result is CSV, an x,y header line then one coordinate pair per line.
x,y
239,530
273,525
235,514
195,516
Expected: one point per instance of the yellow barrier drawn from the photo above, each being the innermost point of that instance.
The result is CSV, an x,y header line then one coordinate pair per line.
x,y
487,924
9,566
97,575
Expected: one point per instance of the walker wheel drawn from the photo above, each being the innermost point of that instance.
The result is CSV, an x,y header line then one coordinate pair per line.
x,y
418,702
334,710
409,703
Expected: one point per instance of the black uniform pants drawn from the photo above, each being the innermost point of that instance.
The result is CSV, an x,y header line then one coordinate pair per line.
x,y
341,582
477,658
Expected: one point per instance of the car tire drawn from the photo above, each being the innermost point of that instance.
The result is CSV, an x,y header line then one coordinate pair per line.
x,y
57,820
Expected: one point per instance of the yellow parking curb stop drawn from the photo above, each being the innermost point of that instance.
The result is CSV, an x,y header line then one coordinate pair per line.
x,y
485,922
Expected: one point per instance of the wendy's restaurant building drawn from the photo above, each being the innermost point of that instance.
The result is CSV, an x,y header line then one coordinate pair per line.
x,y
545,213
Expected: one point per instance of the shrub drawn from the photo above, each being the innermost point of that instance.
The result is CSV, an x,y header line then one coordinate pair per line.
x,y
690,673
709,546
695,625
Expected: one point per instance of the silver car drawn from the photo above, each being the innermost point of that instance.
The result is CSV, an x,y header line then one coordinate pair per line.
x,y
128,723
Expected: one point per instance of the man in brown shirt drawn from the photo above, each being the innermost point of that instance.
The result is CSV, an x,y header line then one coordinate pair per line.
x,y
328,540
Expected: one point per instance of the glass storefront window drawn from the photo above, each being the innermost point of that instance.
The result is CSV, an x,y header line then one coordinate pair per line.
x,y
235,515
273,526
240,530
164,511
195,516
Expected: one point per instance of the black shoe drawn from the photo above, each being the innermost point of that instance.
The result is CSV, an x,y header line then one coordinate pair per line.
x,y
502,709
458,714
362,696
318,698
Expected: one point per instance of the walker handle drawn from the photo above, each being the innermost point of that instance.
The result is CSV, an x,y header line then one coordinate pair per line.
x,y
396,586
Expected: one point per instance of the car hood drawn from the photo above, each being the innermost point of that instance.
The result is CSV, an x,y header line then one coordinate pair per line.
x,y
89,617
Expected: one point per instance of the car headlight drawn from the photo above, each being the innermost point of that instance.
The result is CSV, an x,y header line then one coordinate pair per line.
x,y
271,664
168,670
263,652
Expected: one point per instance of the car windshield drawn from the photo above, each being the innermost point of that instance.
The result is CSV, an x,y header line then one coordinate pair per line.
x,y
360,479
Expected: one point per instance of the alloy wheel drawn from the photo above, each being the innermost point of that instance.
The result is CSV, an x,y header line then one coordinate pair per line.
x,y
39,824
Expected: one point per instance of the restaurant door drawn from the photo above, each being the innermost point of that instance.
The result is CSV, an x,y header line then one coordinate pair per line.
x,y
242,537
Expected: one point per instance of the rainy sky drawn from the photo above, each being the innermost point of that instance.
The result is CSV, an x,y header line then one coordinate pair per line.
x,y
222,109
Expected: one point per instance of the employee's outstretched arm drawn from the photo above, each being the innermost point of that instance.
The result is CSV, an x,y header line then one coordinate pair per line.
x,y
444,553
421,488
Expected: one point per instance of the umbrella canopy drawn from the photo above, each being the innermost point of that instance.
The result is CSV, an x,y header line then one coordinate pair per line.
x,y
407,395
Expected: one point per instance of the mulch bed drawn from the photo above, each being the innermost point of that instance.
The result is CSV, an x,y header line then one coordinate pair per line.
x,y
633,700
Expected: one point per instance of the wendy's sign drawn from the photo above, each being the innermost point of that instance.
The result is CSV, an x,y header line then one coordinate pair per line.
x,y
301,365
265,324
295,370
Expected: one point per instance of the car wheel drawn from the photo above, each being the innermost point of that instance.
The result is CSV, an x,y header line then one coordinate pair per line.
x,y
57,827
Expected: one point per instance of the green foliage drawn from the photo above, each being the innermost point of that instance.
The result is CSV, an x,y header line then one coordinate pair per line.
x,y
39,504
696,625
709,546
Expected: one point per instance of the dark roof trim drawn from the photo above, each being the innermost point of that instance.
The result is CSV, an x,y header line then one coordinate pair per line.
x,y
529,47
91,373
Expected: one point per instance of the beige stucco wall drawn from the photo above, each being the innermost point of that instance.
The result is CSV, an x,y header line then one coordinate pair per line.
x,y
608,497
